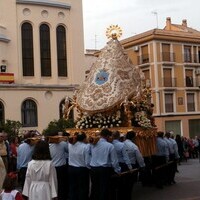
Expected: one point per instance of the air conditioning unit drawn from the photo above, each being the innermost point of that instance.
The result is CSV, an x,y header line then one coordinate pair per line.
x,y
3,68
136,48
197,71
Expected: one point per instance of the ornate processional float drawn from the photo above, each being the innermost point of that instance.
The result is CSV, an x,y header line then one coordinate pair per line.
x,y
114,96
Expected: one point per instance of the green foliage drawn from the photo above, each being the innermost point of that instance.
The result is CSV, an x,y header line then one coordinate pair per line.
x,y
11,127
58,126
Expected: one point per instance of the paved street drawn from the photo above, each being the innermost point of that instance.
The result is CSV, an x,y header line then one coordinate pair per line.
x,y
186,188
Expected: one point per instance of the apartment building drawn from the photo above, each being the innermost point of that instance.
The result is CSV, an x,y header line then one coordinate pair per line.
x,y
170,61
41,59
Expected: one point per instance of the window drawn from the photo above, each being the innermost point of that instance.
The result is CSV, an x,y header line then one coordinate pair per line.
x,y
169,106
29,113
61,51
167,73
189,78
71,114
27,49
187,54
190,102
174,126
45,50
194,127
145,55
147,77
2,118
166,52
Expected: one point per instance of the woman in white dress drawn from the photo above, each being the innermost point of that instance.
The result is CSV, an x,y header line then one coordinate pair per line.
x,y
41,180
2,172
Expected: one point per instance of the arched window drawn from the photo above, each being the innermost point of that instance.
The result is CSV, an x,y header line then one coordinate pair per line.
x,y
27,49
29,113
2,116
61,51
45,50
71,114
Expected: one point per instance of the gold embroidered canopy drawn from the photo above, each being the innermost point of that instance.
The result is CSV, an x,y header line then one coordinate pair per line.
x,y
111,80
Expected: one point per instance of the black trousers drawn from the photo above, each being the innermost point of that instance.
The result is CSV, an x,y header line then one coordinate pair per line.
x,y
159,174
62,178
101,183
172,168
122,185
78,183
22,176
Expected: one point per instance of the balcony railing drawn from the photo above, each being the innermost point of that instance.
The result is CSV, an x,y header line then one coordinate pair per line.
x,y
143,59
192,82
6,78
190,58
168,57
169,82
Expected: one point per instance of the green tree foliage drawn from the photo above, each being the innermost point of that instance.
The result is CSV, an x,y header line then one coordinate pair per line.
x,y
58,126
11,127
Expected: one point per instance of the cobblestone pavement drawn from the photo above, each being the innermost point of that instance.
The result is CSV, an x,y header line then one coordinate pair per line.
x,y
186,188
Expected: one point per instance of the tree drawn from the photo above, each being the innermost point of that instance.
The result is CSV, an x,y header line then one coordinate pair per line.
x,y
11,127
58,126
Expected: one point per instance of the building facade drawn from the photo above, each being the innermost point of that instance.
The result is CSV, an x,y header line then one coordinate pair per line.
x,y
41,59
170,61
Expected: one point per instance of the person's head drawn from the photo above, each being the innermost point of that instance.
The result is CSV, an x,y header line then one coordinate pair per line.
x,y
167,134
130,135
5,135
122,137
10,181
80,137
178,137
105,133
14,140
160,134
41,151
116,135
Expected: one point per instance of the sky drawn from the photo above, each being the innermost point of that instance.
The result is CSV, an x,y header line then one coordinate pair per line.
x,y
134,17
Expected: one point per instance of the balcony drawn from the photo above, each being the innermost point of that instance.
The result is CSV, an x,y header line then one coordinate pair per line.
x,y
191,82
6,78
169,82
190,58
168,57
143,59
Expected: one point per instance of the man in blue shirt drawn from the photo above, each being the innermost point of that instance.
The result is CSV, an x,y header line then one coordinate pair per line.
x,y
136,160
159,160
122,155
103,162
59,155
24,156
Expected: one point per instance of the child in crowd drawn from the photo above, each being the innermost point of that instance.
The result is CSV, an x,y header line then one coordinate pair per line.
x,y
9,188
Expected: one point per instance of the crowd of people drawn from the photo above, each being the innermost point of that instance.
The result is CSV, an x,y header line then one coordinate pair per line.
x,y
105,168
